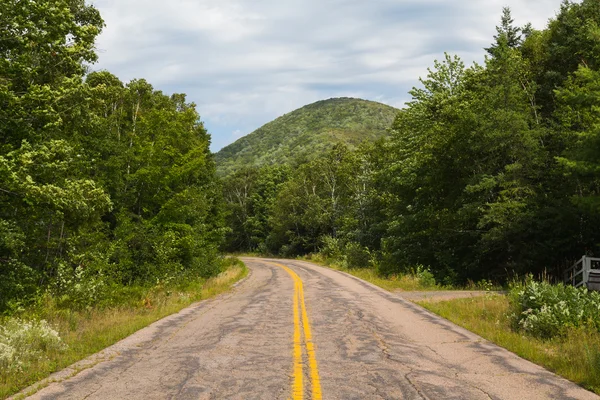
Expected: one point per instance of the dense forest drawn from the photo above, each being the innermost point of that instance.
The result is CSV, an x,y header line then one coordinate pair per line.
x,y
102,184
491,170
307,133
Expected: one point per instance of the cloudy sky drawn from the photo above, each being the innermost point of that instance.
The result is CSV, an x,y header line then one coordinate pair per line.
x,y
246,62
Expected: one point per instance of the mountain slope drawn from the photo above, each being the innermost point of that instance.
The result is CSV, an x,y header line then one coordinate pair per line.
x,y
307,132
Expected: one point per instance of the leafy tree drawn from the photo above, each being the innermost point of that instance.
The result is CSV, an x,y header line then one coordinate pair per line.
x,y
311,204
44,210
99,180
571,39
43,48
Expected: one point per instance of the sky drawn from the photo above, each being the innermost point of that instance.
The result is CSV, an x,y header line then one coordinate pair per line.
x,y
246,62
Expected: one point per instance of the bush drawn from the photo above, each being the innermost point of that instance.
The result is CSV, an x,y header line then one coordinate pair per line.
x,y
24,341
356,255
78,287
545,310
331,248
424,275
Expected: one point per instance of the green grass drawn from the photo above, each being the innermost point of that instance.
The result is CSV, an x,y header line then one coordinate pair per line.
x,y
406,282
392,283
575,356
87,332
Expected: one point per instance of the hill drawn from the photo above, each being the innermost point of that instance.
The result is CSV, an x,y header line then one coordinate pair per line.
x,y
308,132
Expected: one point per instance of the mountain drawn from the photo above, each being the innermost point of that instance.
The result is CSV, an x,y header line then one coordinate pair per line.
x,y
308,132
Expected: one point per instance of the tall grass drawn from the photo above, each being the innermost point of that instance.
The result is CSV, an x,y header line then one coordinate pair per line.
x,y
418,279
84,332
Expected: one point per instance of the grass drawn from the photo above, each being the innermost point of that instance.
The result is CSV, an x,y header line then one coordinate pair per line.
x,y
419,280
575,356
89,331
405,282
392,283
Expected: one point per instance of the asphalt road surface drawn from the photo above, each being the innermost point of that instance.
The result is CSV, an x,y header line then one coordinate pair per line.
x,y
293,330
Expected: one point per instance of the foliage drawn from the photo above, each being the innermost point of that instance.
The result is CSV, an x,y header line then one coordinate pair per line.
x,y
308,132
356,255
489,172
22,341
424,276
545,310
250,196
331,248
417,279
101,183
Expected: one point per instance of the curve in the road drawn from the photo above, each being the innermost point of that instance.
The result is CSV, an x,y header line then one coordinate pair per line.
x,y
371,344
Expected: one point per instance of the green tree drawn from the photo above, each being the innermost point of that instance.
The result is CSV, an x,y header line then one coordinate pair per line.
x,y
98,180
43,48
578,112
507,33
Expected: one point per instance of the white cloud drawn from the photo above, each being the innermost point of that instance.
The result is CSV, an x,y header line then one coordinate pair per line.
x,y
247,62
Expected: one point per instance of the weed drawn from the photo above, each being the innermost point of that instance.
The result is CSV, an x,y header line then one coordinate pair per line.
x,y
545,310
420,278
22,341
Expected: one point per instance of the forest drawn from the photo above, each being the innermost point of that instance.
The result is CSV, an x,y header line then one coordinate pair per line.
x,y
103,184
491,171
306,133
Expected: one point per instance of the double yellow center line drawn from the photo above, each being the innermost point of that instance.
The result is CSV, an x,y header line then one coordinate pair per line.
x,y
301,319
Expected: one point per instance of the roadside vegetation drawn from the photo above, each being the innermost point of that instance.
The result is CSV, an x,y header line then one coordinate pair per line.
x,y
490,172
418,278
554,326
49,336
105,186
112,214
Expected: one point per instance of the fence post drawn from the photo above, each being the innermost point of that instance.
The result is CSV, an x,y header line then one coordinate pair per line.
x,y
587,265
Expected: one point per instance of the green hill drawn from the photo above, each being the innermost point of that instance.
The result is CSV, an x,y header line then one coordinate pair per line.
x,y
308,132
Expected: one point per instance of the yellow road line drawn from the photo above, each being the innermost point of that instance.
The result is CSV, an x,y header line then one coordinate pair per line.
x,y
310,350
297,390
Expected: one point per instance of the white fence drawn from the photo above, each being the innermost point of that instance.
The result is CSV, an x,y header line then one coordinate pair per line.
x,y
579,274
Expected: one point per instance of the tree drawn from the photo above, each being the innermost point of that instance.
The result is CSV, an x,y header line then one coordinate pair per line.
x,y
98,180
310,205
578,111
43,48
507,34
570,40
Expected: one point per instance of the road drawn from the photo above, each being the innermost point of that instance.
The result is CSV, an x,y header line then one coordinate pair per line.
x,y
293,330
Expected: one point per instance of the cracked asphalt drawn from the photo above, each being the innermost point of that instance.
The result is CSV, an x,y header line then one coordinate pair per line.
x,y
369,344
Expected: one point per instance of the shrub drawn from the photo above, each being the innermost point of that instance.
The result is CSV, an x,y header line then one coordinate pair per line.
x,y
24,341
78,287
424,275
331,247
356,255
545,310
